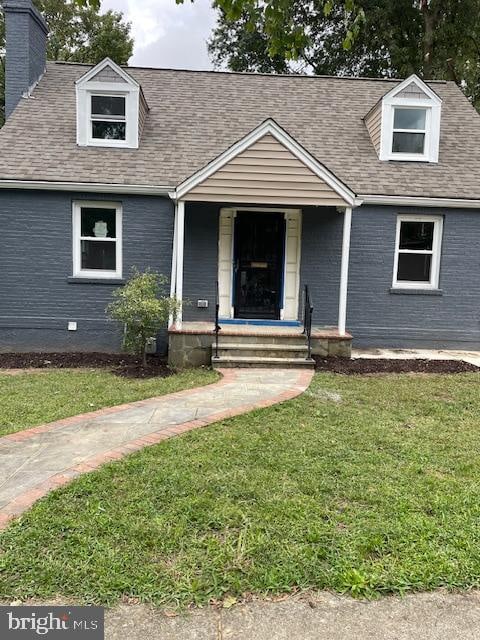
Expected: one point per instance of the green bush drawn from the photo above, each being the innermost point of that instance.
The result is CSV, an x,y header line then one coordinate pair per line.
x,y
143,306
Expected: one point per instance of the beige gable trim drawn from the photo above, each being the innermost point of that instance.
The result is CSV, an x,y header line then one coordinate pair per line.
x,y
373,122
266,173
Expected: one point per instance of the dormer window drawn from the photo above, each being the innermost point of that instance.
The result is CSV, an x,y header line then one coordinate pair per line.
x,y
111,108
405,124
108,117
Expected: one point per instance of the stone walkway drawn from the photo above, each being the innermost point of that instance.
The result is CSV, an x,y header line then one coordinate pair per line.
x,y
37,460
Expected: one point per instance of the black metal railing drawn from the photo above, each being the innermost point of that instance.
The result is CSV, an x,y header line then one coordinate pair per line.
x,y
307,320
217,326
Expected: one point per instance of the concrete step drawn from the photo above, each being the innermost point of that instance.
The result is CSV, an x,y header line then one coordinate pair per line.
x,y
285,363
266,338
261,350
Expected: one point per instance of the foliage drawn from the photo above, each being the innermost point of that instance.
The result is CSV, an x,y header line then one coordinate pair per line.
x,y
78,34
438,39
365,485
143,309
81,34
30,399
2,69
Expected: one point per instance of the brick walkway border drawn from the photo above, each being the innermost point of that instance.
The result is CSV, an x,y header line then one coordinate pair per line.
x,y
24,501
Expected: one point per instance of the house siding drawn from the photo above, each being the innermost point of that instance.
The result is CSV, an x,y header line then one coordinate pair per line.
x,y
373,122
378,318
37,299
266,173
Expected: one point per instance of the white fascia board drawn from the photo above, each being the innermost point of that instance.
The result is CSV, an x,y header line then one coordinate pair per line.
x,y
272,128
107,62
87,187
419,201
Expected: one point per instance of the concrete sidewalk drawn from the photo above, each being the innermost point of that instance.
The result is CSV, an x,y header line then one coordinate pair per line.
x,y
472,357
34,461
325,616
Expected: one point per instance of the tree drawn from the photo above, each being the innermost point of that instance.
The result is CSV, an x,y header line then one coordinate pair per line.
x,y
81,34
2,69
77,34
244,48
143,307
438,39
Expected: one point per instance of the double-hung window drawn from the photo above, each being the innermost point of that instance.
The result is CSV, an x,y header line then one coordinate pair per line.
x,y
97,240
417,252
108,117
410,115
409,131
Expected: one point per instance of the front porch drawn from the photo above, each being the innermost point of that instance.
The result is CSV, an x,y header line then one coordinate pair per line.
x,y
193,344
249,266
253,230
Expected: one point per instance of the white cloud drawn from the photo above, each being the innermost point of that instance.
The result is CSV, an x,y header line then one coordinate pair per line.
x,y
166,34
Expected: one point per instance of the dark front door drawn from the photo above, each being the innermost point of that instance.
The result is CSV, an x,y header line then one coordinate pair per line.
x,y
258,267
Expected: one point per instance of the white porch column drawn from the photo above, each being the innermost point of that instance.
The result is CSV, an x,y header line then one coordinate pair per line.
x,y
180,241
342,305
173,276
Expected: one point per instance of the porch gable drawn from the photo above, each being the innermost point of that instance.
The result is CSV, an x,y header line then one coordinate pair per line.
x,y
266,167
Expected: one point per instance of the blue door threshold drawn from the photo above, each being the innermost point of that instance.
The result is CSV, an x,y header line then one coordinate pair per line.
x,y
260,323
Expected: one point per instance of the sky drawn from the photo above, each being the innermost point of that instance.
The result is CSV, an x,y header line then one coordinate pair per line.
x,y
166,34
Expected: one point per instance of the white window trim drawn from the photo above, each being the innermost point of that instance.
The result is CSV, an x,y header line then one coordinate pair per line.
x,y
84,106
77,238
435,252
431,103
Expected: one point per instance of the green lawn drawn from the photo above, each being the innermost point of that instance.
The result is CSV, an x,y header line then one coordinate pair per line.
x,y
365,485
30,399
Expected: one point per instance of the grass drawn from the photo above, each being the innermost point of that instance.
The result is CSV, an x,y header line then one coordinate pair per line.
x,y
30,399
364,485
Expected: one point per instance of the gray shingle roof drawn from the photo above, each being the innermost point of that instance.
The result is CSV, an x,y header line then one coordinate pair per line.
x,y
195,116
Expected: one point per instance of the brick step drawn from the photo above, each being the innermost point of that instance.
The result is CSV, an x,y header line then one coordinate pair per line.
x,y
261,350
273,363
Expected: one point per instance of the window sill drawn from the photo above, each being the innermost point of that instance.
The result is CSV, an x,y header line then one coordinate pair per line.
x,y
115,282
416,292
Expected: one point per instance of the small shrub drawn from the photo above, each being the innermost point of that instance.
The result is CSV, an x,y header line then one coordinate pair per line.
x,y
143,306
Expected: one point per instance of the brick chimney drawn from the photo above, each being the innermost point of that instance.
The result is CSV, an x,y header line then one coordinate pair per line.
x,y
25,52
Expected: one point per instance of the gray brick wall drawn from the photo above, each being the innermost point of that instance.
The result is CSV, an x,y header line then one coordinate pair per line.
x,y
322,230
26,44
377,317
37,299
201,260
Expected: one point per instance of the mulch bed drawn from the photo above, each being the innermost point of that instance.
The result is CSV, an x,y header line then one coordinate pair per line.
x,y
370,366
120,364
131,367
